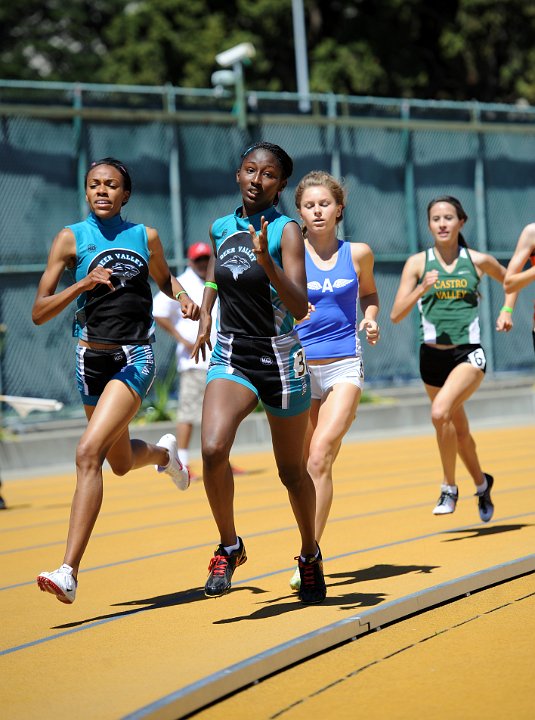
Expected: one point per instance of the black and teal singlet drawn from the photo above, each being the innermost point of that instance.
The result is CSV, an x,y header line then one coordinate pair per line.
x,y
122,316
257,345
249,304
449,310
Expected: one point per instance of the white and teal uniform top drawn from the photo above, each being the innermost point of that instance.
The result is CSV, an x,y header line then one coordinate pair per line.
x,y
449,310
122,316
248,304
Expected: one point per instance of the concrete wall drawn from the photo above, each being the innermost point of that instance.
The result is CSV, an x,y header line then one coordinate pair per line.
x,y
404,411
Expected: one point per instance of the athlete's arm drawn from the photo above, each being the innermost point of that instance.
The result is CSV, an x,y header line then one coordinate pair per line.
x,y
290,283
489,265
363,261
409,290
62,255
208,300
515,277
168,284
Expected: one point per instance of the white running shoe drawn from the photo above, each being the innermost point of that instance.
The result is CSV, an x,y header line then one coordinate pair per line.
x,y
179,473
60,583
295,582
447,500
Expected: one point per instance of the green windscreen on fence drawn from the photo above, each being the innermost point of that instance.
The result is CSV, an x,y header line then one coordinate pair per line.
x,y
393,157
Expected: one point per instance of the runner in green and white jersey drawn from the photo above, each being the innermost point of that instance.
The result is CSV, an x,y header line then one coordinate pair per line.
x,y
443,282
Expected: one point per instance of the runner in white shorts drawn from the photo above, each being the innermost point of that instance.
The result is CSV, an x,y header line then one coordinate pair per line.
x,y
338,274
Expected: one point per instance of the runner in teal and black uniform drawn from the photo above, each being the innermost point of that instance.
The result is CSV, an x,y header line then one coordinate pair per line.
x,y
111,261
259,272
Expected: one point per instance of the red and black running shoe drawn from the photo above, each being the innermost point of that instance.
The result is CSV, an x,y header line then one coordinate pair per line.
x,y
221,569
312,590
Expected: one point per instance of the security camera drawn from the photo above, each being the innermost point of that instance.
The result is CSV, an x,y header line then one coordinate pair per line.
x,y
236,54
223,78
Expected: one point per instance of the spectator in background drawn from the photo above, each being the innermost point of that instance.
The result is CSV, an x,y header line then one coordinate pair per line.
x,y
192,375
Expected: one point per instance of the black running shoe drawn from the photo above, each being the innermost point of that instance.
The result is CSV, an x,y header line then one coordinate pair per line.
x,y
485,504
221,568
312,590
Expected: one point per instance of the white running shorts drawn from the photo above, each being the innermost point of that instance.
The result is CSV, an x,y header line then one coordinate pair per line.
x,y
324,377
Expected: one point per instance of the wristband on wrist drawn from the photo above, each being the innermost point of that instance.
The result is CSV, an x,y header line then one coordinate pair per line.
x,y
210,285
181,292
506,308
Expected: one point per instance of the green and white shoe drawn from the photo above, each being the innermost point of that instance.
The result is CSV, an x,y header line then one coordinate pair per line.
x,y
295,582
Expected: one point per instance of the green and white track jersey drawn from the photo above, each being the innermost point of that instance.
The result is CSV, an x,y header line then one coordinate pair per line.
x,y
449,310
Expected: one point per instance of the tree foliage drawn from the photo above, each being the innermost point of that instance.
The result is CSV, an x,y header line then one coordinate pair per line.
x,y
451,49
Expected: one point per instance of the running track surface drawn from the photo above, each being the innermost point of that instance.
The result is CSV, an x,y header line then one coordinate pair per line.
x,y
141,640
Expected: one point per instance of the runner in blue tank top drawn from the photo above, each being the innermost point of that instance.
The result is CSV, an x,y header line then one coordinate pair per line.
x,y
111,261
258,269
442,282
338,275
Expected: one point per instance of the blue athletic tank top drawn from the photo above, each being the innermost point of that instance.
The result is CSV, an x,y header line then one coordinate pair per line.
x,y
122,316
248,303
331,331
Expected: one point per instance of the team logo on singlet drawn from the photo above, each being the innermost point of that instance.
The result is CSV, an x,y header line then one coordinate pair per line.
x,y
124,264
327,285
237,265
123,272
236,254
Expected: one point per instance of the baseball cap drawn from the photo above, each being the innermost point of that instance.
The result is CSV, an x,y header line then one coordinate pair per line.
x,y
199,249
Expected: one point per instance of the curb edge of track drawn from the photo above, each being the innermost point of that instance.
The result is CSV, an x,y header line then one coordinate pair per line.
x,y
213,687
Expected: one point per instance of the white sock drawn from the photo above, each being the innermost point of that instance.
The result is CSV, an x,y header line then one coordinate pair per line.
x,y
183,454
316,555
451,489
230,548
480,489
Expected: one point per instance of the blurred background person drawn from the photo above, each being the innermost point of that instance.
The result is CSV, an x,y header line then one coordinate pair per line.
x,y
192,375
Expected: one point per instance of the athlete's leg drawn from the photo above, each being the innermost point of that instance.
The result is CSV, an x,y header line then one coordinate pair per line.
x,y
288,435
106,435
226,404
466,445
336,414
461,383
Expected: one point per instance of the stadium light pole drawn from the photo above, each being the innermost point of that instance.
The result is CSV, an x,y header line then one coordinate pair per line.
x,y
301,58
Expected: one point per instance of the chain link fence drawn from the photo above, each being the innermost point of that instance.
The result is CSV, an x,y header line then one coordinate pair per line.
x,y
182,149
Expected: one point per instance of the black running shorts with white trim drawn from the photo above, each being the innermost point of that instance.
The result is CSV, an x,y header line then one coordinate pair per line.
x,y
132,364
436,364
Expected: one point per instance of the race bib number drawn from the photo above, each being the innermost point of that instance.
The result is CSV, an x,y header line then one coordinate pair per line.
x,y
477,359
300,365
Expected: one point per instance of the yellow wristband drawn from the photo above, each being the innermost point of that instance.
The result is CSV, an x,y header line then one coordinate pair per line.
x,y
210,285
181,292
506,308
